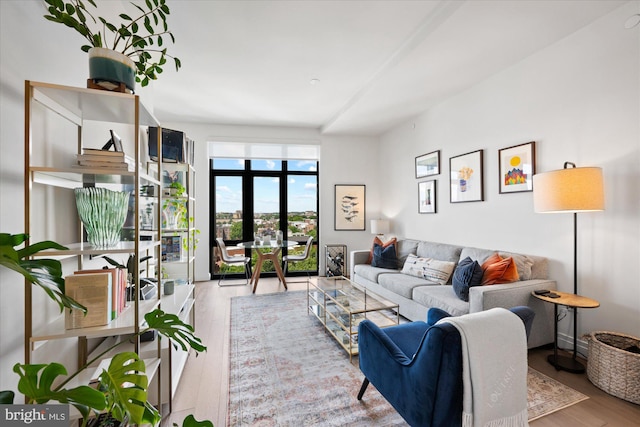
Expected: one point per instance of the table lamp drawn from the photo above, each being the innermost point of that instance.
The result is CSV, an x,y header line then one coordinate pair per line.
x,y
379,227
570,190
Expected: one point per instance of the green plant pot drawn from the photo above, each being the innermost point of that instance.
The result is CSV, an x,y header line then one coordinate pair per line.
x,y
109,65
103,213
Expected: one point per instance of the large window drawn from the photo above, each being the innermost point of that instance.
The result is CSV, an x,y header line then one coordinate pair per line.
x,y
261,197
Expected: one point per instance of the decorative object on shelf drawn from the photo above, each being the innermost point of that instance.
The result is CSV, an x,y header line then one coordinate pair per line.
x,y
137,45
466,177
517,166
427,197
168,287
102,212
570,190
428,164
349,207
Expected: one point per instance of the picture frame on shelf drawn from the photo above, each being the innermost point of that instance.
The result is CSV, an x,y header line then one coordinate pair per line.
x,y
466,177
428,164
516,167
350,213
427,197
115,141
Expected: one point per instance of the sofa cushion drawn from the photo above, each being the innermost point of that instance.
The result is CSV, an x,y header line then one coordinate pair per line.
x,y
477,254
523,264
497,270
468,273
384,257
428,268
442,297
439,251
403,284
404,248
371,273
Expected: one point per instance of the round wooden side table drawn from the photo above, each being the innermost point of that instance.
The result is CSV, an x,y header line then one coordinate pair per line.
x,y
569,364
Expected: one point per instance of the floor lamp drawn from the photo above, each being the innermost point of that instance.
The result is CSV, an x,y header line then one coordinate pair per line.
x,y
570,190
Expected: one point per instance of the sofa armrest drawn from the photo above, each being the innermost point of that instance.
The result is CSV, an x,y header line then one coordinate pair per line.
x,y
514,294
360,256
506,295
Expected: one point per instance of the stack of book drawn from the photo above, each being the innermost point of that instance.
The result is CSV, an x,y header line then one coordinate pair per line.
x,y
96,158
102,292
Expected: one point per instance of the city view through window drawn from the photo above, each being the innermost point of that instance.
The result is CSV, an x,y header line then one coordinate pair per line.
x,y
260,197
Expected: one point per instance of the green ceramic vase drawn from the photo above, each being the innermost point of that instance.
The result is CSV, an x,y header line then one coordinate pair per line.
x,y
102,213
109,65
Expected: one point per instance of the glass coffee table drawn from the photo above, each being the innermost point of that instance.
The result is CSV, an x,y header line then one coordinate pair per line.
x,y
341,305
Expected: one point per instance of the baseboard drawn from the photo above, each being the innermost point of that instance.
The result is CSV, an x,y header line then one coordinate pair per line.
x,y
566,342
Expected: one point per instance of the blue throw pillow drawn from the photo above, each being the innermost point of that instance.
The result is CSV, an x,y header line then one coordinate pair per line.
x,y
468,273
384,257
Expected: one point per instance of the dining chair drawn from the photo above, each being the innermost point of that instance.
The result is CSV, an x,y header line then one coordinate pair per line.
x,y
299,257
231,260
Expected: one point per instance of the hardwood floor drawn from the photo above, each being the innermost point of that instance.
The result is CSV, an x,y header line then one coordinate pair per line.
x,y
203,388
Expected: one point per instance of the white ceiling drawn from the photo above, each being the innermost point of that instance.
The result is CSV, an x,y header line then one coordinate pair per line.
x,y
379,63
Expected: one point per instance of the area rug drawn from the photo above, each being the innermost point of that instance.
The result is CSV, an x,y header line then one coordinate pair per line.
x,y
285,370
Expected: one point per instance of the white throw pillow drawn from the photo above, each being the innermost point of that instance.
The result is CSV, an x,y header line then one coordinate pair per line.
x,y
428,268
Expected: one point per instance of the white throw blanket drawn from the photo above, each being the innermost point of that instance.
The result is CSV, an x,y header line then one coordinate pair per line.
x,y
494,368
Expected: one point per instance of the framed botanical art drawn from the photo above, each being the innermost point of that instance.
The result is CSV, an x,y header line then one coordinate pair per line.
x,y
517,165
349,207
428,164
427,197
466,177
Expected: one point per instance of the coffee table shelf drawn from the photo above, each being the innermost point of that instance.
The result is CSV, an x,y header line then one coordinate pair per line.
x,y
341,305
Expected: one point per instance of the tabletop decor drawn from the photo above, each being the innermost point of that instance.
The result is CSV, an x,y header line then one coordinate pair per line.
x,y
427,197
428,164
466,177
517,165
103,213
136,48
349,207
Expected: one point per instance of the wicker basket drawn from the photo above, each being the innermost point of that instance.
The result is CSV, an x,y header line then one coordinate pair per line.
x,y
614,364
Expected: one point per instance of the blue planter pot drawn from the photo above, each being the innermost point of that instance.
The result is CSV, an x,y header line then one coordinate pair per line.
x,y
109,65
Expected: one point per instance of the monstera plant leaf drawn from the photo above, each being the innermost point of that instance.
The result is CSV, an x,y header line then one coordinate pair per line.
x,y
175,329
36,381
46,273
125,385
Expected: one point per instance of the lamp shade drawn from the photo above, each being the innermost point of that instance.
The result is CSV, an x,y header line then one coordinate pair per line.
x,y
569,190
379,226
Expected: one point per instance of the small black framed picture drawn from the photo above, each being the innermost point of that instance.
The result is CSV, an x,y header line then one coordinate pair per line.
x,y
427,197
428,164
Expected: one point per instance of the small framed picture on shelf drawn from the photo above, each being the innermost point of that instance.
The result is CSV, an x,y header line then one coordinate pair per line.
x,y
428,164
517,166
427,197
115,141
171,248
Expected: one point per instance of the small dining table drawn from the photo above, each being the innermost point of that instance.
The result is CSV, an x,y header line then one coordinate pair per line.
x,y
274,249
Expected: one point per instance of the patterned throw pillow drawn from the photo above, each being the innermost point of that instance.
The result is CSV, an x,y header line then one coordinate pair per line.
x,y
384,257
428,268
376,240
497,270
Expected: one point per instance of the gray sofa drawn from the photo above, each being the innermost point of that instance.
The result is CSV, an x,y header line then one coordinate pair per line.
x,y
415,295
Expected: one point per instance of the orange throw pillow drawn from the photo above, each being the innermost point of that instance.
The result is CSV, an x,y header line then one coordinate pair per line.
x,y
497,270
376,240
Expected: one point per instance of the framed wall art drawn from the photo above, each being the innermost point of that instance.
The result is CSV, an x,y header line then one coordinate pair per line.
x,y
517,165
349,207
428,164
427,197
466,177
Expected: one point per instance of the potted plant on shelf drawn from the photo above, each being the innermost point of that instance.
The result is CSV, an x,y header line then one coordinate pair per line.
x,y
121,390
126,52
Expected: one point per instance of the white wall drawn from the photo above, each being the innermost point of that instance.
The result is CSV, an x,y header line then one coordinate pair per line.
x,y
579,99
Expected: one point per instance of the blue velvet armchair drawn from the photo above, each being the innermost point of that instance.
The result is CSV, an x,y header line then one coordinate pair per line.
x,y
417,367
